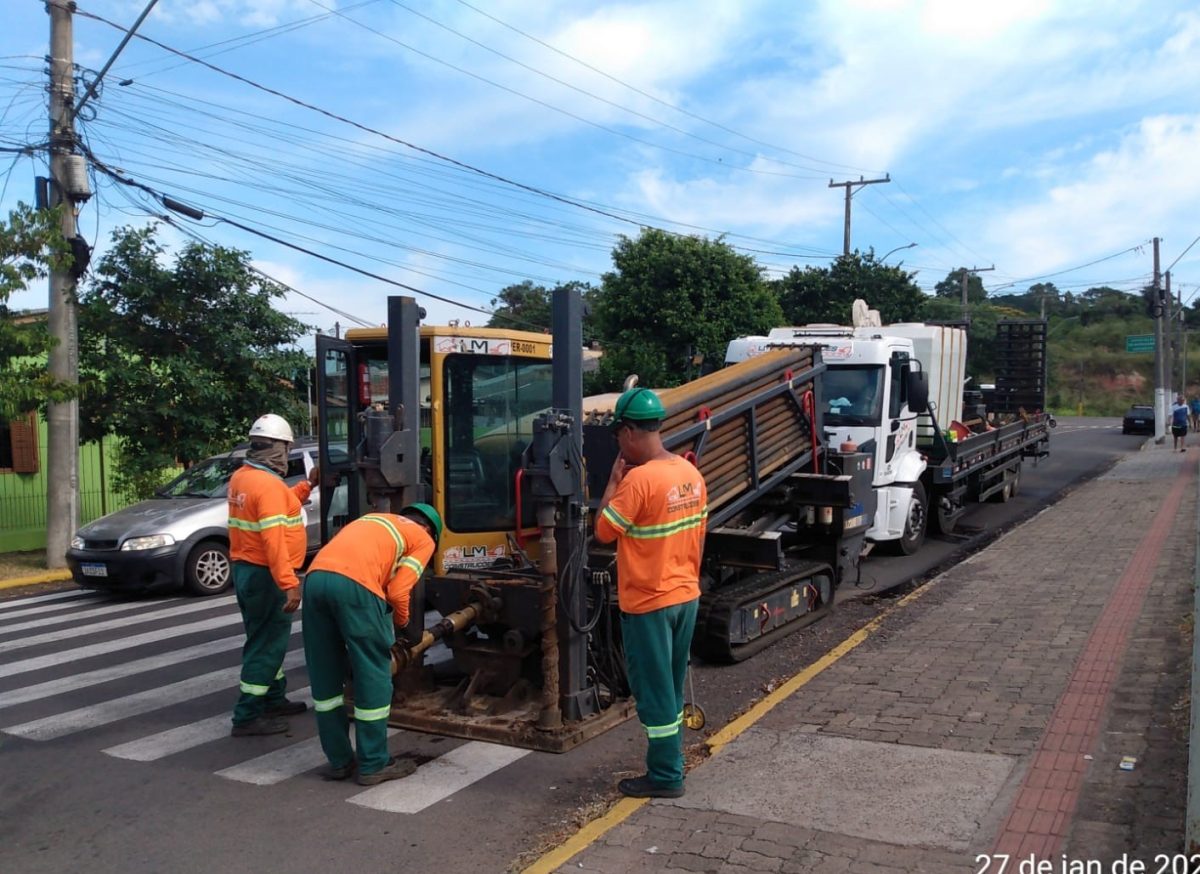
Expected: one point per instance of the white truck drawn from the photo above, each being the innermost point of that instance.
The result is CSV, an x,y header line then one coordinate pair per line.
x,y
931,458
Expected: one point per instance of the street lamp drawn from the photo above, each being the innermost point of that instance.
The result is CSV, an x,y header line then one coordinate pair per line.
x,y
897,249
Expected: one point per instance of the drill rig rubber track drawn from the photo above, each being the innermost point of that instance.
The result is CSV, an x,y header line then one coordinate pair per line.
x,y
784,600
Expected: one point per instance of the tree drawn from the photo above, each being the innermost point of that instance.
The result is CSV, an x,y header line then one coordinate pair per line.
x,y
31,244
524,306
527,307
951,287
183,357
672,304
826,294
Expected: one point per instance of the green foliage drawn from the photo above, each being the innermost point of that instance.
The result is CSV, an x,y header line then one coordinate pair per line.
x,y
185,356
826,294
31,245
527,307
670,301
951,287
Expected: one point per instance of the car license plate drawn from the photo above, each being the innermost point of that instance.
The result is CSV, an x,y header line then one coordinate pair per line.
x,y
94,569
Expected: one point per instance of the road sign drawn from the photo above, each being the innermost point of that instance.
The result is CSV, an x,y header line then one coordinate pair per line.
x,y
1139,343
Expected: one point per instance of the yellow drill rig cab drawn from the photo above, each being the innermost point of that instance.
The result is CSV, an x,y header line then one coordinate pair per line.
x,y
490,427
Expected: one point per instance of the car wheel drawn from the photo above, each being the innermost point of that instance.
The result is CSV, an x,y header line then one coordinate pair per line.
x,y
207,570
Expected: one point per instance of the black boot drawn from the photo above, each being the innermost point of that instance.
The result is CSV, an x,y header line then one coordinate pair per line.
x,y
644,787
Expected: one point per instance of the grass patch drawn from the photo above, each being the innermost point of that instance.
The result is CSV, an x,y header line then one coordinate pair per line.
x,y
22,564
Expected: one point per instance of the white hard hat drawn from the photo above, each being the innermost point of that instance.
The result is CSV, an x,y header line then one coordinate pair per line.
x,y
272,427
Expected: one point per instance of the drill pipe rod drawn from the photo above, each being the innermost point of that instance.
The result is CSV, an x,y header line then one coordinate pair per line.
x,y
680,418
731,383
456,621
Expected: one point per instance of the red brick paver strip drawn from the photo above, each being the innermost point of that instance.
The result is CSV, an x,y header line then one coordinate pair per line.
x,y
1041,815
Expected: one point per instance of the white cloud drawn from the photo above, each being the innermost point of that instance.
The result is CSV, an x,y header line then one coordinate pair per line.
x,y
1147,182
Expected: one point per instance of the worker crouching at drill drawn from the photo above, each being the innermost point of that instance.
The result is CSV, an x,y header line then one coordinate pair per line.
x,y
357,596
267,544
655,507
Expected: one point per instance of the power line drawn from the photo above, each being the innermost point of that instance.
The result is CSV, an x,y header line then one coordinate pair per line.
x,y
1184,252
587,93
1073,269
650,96
613,131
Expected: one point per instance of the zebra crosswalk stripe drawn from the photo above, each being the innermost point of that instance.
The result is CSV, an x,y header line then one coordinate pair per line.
x,y
440,778
62,724
81,597
277,766
43,609
97,627
175,740
71,682
104,610
69,656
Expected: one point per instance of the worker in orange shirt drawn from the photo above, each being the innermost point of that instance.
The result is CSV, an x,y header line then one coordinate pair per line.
x,y
267,544
366,572
655,507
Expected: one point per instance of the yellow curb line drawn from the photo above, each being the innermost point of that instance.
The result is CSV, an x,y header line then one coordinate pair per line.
x,y
626,807
48,577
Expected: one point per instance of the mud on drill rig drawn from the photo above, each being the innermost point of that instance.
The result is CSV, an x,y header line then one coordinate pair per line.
x,y
490,426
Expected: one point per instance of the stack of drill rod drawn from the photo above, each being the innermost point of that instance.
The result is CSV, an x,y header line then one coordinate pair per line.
x,y
725,455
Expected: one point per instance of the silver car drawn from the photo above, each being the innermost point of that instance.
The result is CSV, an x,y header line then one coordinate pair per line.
x,y
181,536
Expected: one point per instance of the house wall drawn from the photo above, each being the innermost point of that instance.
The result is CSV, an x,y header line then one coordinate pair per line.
x,y
23,495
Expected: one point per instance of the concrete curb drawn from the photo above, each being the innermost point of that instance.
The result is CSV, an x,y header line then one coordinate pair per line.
x,y
47,577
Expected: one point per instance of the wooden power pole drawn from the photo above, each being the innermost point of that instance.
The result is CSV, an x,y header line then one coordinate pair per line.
x,y
850,185
966,277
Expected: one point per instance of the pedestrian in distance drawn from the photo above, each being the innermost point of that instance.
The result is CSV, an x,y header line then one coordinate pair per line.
x,y
1179,423
1194,404
357,595
655,507
267,543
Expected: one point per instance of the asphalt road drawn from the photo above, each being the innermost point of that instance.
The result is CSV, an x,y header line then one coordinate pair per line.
x,y
115,754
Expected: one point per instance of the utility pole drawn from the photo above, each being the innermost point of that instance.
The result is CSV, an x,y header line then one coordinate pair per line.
x,y
1160,355
850,185
966,275
62,419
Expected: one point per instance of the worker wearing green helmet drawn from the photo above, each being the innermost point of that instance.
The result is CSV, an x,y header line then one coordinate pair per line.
x,y
366,572
655,507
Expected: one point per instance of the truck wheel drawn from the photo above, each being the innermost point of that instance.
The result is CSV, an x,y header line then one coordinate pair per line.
x,y
1016,483
207,570
914,526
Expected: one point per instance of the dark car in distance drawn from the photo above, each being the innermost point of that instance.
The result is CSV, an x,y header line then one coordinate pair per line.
x,y
1139,420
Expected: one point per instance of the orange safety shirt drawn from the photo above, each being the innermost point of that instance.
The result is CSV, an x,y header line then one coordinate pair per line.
x,y
266,524
382,552
658,513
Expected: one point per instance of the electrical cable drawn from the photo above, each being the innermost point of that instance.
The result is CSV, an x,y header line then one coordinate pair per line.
x,y
586,93
652,97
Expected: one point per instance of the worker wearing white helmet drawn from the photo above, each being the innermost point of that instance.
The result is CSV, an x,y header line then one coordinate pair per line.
x,y
266,545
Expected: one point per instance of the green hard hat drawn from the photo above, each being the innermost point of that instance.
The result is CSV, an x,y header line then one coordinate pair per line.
x,y
429,514
638,405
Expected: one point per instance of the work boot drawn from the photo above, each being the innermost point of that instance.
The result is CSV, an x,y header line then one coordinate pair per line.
x,y
335,772
284,708
393,770
259,725
644,787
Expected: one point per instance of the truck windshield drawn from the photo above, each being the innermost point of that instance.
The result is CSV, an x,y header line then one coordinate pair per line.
x,y
491,403
853,395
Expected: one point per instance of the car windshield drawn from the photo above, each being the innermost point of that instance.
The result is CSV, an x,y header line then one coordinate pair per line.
x,y
208,479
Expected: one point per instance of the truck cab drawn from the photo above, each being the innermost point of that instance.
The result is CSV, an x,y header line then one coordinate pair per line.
x,y
865,393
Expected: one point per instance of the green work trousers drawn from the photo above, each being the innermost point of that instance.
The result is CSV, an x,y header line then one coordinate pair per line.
x,y
348,626
268,630
657,645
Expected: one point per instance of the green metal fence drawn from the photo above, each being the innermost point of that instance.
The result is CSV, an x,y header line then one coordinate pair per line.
x,y
23,495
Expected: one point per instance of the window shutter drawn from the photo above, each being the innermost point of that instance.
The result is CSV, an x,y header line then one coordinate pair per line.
x,y
24,435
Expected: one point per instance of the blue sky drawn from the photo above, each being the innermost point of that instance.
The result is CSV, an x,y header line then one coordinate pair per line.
x,y
1033,136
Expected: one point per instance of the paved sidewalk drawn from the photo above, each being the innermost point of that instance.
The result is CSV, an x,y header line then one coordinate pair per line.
x,y
989,716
